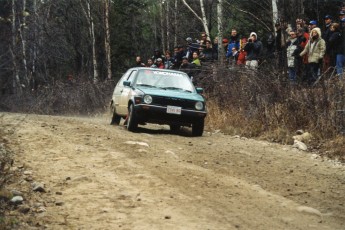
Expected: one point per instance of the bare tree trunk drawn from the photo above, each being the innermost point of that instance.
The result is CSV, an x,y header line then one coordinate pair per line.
x,y
203,18
16,81
22,27
220,31
107,38
274,14
162,25
168,24
175,24
92,37
34,50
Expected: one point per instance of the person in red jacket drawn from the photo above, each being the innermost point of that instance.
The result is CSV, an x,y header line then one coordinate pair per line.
x,y
241,60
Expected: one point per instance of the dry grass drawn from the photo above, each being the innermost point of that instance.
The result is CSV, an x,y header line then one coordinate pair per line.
x,y
265,105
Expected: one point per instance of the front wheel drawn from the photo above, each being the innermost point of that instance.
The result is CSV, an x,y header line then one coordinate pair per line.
x,y
198,128
132,123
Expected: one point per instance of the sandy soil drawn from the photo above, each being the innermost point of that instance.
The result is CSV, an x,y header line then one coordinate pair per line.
x,y
99,176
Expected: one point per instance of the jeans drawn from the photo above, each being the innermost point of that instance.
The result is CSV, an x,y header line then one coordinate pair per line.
x,y
340,63
292,74
313,72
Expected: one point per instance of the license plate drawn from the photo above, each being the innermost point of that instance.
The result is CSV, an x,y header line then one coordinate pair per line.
x,y
173,109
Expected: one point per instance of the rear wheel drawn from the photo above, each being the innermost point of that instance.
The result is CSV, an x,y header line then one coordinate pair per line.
x,y
175,128
115,120
132,123
198,128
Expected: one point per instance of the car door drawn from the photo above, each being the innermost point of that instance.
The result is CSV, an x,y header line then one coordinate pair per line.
x,y
125,93
118,92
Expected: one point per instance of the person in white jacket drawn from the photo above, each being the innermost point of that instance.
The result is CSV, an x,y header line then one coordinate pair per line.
x,y
315,50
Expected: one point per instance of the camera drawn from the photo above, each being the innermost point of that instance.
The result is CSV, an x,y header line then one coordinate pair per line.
x,y
250,40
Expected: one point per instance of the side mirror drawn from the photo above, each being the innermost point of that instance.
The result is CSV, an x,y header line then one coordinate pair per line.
x,y
127,83
199,90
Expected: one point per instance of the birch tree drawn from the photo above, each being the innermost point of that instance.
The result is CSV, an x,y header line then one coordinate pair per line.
x,y
274,13
107,38
22,27
202,18
16,80
89,16
220,31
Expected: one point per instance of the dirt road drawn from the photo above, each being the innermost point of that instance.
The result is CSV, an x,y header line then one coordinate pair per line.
x,y
99,176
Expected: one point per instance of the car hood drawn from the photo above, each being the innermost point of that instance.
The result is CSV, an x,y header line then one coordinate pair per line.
x,y
172,93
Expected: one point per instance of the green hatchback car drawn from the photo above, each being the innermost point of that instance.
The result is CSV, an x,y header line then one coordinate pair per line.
x,y
159,96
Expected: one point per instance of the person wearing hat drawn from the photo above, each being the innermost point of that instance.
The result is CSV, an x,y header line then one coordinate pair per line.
x,y
315,50
254,50
191,47
341,15
326,36
312,24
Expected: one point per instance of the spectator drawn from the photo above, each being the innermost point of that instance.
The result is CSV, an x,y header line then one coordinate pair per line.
x,y
191,48
203,39
254,50
196,60
215,48
270,46
315,49
340,62
159,63
186,66
326,36
138,62
207,53
291,53
241,60
302,62
225,43
157,54
234,57
334,43
312,25
233,42
169,61
150,63
341,15
178,55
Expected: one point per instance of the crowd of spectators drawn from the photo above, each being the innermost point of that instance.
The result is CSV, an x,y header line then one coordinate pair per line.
x,y
305,49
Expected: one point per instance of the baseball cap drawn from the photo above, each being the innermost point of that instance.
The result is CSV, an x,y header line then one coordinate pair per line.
x,y
328,17
189,39
313,22
342,12
342,20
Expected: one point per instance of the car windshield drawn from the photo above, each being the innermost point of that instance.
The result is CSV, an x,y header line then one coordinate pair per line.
x,y
167,80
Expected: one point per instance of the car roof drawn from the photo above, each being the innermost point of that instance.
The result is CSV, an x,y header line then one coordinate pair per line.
x,y
157,69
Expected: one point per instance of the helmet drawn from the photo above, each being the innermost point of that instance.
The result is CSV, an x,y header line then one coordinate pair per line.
x,y
189,39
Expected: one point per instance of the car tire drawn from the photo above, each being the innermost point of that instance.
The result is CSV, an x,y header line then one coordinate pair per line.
x,y
132,123
115,120
175,128
198,128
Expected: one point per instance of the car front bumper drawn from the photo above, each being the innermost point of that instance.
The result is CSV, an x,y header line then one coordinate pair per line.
x,y
158,115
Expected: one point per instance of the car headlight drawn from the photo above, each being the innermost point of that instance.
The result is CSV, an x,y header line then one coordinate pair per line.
x,y
147,99
199,105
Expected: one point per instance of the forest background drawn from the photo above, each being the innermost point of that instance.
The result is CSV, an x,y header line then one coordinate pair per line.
x,y
64,57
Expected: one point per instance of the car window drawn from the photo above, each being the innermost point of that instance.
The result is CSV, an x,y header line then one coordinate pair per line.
x,y
164,79
128,76
132,76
